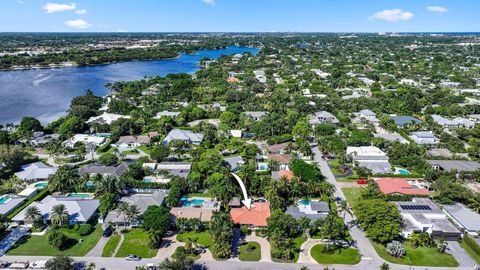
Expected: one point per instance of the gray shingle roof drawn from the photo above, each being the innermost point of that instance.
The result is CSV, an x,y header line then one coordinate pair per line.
x,y
183,135
35,171
405,120
458,165
464,216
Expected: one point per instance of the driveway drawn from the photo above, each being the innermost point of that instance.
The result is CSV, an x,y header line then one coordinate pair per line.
x,y
264,246
462,257
98,249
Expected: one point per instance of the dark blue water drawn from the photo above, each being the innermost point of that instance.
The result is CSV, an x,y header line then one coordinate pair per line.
x,y
46,93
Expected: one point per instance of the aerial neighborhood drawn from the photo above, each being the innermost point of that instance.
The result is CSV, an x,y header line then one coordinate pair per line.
x,y
351,150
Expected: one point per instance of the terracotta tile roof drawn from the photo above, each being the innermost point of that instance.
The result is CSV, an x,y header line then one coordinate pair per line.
x,y
256,216
275,148
287,174
281,158
399,185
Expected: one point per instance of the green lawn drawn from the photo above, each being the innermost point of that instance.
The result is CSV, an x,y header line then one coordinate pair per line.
x,y
352,195
37,245
203,238
145,149
136,242
130,152
420,256
338,256
111,245
250,251
470,251
298,243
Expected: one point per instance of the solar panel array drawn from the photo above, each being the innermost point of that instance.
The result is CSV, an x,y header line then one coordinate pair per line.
x,y
415,207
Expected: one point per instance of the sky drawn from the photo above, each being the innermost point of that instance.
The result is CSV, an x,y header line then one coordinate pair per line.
x,y
239,16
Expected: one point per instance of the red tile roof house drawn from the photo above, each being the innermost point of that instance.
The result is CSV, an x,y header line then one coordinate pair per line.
x,y
395,186
255,217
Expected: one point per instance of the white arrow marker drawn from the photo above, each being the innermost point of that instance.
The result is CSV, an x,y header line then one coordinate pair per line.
x,y
247,202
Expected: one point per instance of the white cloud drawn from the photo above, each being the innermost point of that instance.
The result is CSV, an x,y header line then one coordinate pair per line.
x,y
79,24
437,9
392,15
209,2
81,11
54,7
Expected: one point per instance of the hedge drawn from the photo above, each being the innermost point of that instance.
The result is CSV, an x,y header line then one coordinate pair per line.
x,y
280,139
105,147
471,243
42,194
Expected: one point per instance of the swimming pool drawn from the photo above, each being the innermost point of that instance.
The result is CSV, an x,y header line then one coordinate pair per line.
x,y
191,203
102,135
41,185
80,195
5,198
304,202
403,172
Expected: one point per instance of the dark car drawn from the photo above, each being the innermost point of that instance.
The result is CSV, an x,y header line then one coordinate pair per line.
x,y
108,231
133,257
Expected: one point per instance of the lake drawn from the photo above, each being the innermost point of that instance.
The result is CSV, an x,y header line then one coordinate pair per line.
x,y
46,93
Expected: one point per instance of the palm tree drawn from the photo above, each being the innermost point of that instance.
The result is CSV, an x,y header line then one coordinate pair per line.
x,y
123,208
191,244
59,215
474,203
132,213
32,213
345,208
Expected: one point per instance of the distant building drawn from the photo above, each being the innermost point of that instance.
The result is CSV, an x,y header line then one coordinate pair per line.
x,y
40,139
34,172
85,139
257,116
402,121
391,137
365,116
454,123
280,148
455,165
167,113
423,216
424,138
322,117
113,171
136,140
106,118
165,171
187,136
370,157
234,162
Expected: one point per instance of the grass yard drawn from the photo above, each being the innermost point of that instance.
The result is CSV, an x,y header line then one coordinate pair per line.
x,y
298,243
420,256
111,245
470,251
145,149
37,245
136,242
250,251
338,256
352,195
203,238
130,152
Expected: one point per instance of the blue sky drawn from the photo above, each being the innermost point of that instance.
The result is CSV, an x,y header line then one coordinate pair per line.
x,y
239,15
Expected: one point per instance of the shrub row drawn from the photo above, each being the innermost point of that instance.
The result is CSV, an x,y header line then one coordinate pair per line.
x,y
280,139
471,243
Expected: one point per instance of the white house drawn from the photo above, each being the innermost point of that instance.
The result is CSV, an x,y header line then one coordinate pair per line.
x,y
187,136
34,172
370,157
106,118
86,139
425,138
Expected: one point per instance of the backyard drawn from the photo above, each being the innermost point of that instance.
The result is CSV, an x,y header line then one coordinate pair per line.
x,y
420,256
338,255
37,245
250,251
136,242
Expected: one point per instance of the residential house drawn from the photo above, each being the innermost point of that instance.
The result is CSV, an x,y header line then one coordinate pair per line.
x,y
112,171
365,116
402,121
80,210
106,118
254,217
440,152
34,172
370,157
402,186
391,137
467,220
280,148
234,162
201,208
187,136
165,171
141,201
454,123
312,210
455,165
256,115
283,160
424,138
95,141
287,174
167,113
421,215
40,139
136,140
322,117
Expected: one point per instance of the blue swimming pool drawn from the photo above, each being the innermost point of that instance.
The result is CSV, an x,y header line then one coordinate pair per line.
x,y
5,199
191,203
304,202
403,172
41,185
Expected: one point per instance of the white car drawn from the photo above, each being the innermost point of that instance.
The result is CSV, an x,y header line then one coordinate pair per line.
x,y
38,265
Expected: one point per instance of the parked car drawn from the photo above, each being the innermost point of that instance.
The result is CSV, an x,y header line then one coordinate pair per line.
x,y
4,264
18,265
133,257
150,266
38,265
108,231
